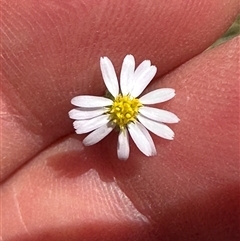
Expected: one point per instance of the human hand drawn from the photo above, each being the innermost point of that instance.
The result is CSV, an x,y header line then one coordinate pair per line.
x,y
53,188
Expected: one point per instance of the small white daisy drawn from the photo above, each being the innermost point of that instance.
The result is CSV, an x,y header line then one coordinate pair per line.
x,y
125,110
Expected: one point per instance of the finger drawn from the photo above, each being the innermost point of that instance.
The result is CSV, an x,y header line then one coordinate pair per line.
x,y
188,192
51,53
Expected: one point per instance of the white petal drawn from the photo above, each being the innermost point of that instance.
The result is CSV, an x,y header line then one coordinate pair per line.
x,y
157,128
109,76
158,114
142,79
123,149
142,68
142,139
138,72
157,96
97,135
91,101
84,126
126,76
85,113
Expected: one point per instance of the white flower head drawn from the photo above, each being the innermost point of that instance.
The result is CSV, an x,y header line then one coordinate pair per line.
x,y
125,110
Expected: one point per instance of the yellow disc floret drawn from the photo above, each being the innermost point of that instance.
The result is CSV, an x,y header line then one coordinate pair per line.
x,y
124,110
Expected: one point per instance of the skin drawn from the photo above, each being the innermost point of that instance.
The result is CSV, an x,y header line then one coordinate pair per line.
x,y
54,188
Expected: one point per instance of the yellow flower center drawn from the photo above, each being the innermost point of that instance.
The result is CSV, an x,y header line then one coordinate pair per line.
x,y
124,110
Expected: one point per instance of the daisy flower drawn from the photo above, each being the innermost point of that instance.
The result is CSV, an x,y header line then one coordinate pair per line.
x,y
124,109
